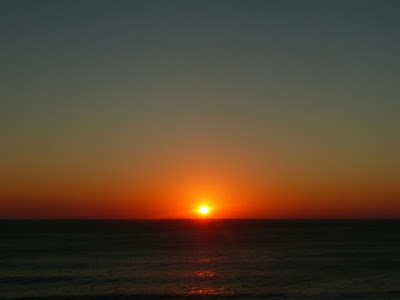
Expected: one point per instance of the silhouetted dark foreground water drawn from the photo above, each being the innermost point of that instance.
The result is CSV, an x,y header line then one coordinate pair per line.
x,y
200,259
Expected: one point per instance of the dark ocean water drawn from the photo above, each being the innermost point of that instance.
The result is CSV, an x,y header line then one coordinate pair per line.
x,y
203,259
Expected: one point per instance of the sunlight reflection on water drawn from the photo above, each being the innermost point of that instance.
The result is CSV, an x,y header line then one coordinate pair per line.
x,y
201,260
203,274
207,291
203,279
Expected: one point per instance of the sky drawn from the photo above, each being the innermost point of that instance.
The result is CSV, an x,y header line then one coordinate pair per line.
x,y
149,109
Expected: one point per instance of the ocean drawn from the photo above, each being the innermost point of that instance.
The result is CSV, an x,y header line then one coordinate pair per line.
x,y
200,259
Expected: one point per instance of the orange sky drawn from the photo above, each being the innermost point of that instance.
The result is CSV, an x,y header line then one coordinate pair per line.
x,y
180,195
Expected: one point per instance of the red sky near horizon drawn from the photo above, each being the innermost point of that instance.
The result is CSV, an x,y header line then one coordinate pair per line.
x,y
180,196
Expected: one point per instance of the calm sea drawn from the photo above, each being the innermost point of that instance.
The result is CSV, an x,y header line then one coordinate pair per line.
x,y
200,259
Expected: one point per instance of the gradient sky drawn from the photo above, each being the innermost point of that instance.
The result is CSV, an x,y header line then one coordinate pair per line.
x,y
147,109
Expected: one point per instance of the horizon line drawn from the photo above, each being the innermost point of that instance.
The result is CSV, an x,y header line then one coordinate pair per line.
x,y
191,219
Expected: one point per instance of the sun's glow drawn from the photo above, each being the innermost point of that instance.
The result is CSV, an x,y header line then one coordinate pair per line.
x,y
204,210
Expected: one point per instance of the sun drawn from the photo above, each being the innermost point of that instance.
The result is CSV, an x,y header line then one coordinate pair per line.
x,y
204,210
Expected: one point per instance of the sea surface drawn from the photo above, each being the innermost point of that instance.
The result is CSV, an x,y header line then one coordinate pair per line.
x,y
200,259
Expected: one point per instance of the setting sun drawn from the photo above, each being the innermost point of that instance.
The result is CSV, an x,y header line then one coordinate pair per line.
x,y
204,210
